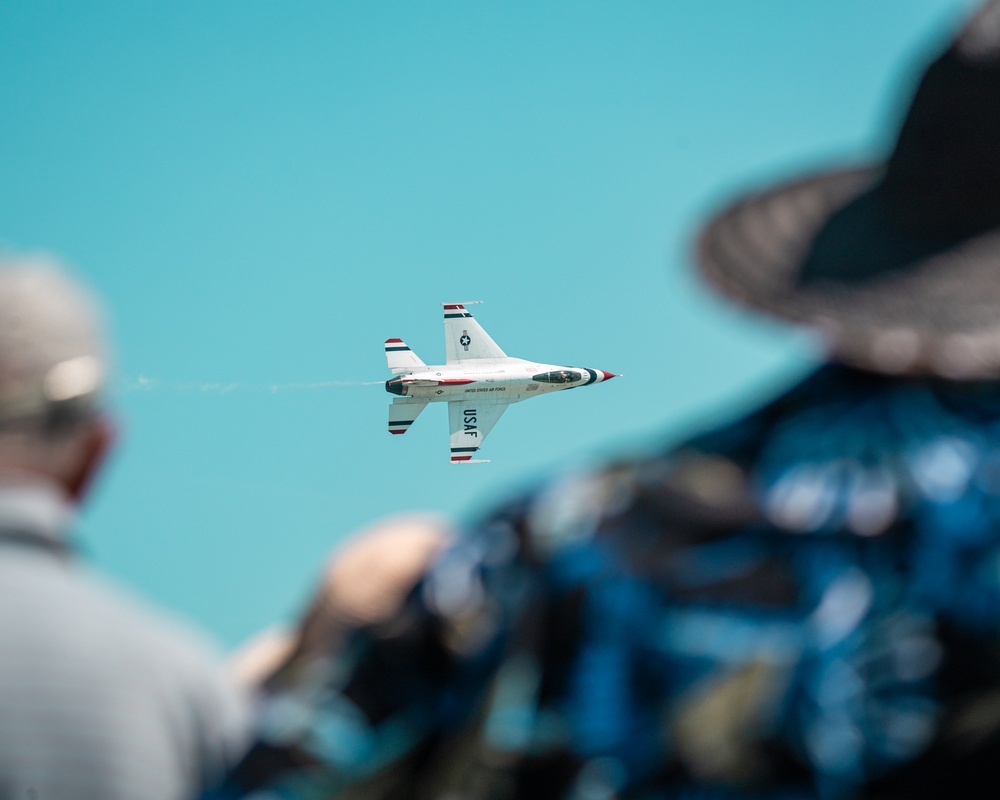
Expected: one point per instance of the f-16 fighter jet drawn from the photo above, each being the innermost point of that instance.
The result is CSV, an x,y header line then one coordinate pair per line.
x,y
478,382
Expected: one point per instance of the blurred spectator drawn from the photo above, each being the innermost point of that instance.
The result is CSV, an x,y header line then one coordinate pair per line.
x,y
803,603
100,697
365,583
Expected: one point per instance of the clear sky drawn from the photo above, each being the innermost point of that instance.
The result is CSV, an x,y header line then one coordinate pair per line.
x,y
263,192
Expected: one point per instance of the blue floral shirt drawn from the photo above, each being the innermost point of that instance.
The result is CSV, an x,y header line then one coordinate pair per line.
x,y
802,604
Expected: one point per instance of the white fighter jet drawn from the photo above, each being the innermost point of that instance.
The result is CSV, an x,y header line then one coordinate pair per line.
x,y
478,382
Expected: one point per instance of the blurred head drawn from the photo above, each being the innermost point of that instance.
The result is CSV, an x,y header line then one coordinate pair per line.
x,y
53,367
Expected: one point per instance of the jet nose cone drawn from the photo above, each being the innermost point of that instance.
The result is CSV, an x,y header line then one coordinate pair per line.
x,y
608,375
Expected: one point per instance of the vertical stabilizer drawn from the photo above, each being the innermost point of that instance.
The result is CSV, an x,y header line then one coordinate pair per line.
x,y
464,338
400,358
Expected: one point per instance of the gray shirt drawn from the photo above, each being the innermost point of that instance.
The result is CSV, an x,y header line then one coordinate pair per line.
x,y
101,698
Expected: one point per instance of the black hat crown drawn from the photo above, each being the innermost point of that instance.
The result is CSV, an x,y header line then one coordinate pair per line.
x,y
941,184
896,264
945,170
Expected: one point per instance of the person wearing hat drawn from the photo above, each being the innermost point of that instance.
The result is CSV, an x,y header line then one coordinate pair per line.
x,y
100,697
803,603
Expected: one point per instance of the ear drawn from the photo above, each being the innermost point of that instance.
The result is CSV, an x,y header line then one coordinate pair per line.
x,y
95,445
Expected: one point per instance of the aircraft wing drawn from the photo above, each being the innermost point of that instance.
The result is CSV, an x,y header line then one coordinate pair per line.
x,y
470,422
464,338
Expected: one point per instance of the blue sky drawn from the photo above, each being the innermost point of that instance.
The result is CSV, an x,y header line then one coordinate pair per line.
x,y
264,192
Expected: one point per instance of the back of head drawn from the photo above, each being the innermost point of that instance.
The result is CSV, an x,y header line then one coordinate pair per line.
x,y
53,365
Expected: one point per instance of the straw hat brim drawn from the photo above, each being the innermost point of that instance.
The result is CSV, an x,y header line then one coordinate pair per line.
x,y
939,315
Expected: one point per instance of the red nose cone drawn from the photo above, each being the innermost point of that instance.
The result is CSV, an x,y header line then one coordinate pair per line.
x,y
608,375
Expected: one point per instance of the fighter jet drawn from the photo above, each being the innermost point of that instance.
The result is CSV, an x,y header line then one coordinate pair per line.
x,y
478,382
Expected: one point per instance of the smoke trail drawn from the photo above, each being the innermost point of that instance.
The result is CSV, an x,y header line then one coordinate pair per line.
x,y
278,387
144,383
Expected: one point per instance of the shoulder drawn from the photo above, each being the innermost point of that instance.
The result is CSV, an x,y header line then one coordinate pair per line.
x,y
101,659
167,651
179,672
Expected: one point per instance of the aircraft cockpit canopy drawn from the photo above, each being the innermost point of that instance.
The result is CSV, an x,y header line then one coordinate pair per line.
x,y
558,376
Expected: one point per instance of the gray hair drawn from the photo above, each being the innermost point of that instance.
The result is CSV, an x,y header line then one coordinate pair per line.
x,y
53,352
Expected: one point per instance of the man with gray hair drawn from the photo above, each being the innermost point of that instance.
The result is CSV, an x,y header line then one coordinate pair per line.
x,y
100,697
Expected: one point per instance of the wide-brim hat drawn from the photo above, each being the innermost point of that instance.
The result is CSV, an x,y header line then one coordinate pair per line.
x,y
896,263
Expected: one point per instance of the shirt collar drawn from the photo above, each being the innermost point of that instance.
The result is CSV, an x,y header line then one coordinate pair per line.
x,y
35,506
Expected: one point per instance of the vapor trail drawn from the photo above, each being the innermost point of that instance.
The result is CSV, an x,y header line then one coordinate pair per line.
x,y
144,383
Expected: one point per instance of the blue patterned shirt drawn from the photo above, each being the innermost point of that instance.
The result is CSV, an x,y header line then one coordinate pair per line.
x,y
802,604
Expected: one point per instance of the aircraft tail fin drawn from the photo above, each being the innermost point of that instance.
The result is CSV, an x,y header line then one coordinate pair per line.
x,y
400,358
402,413
464,337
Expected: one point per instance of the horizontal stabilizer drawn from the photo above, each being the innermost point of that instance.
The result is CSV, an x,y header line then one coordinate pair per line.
x,y
403,412
400,358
